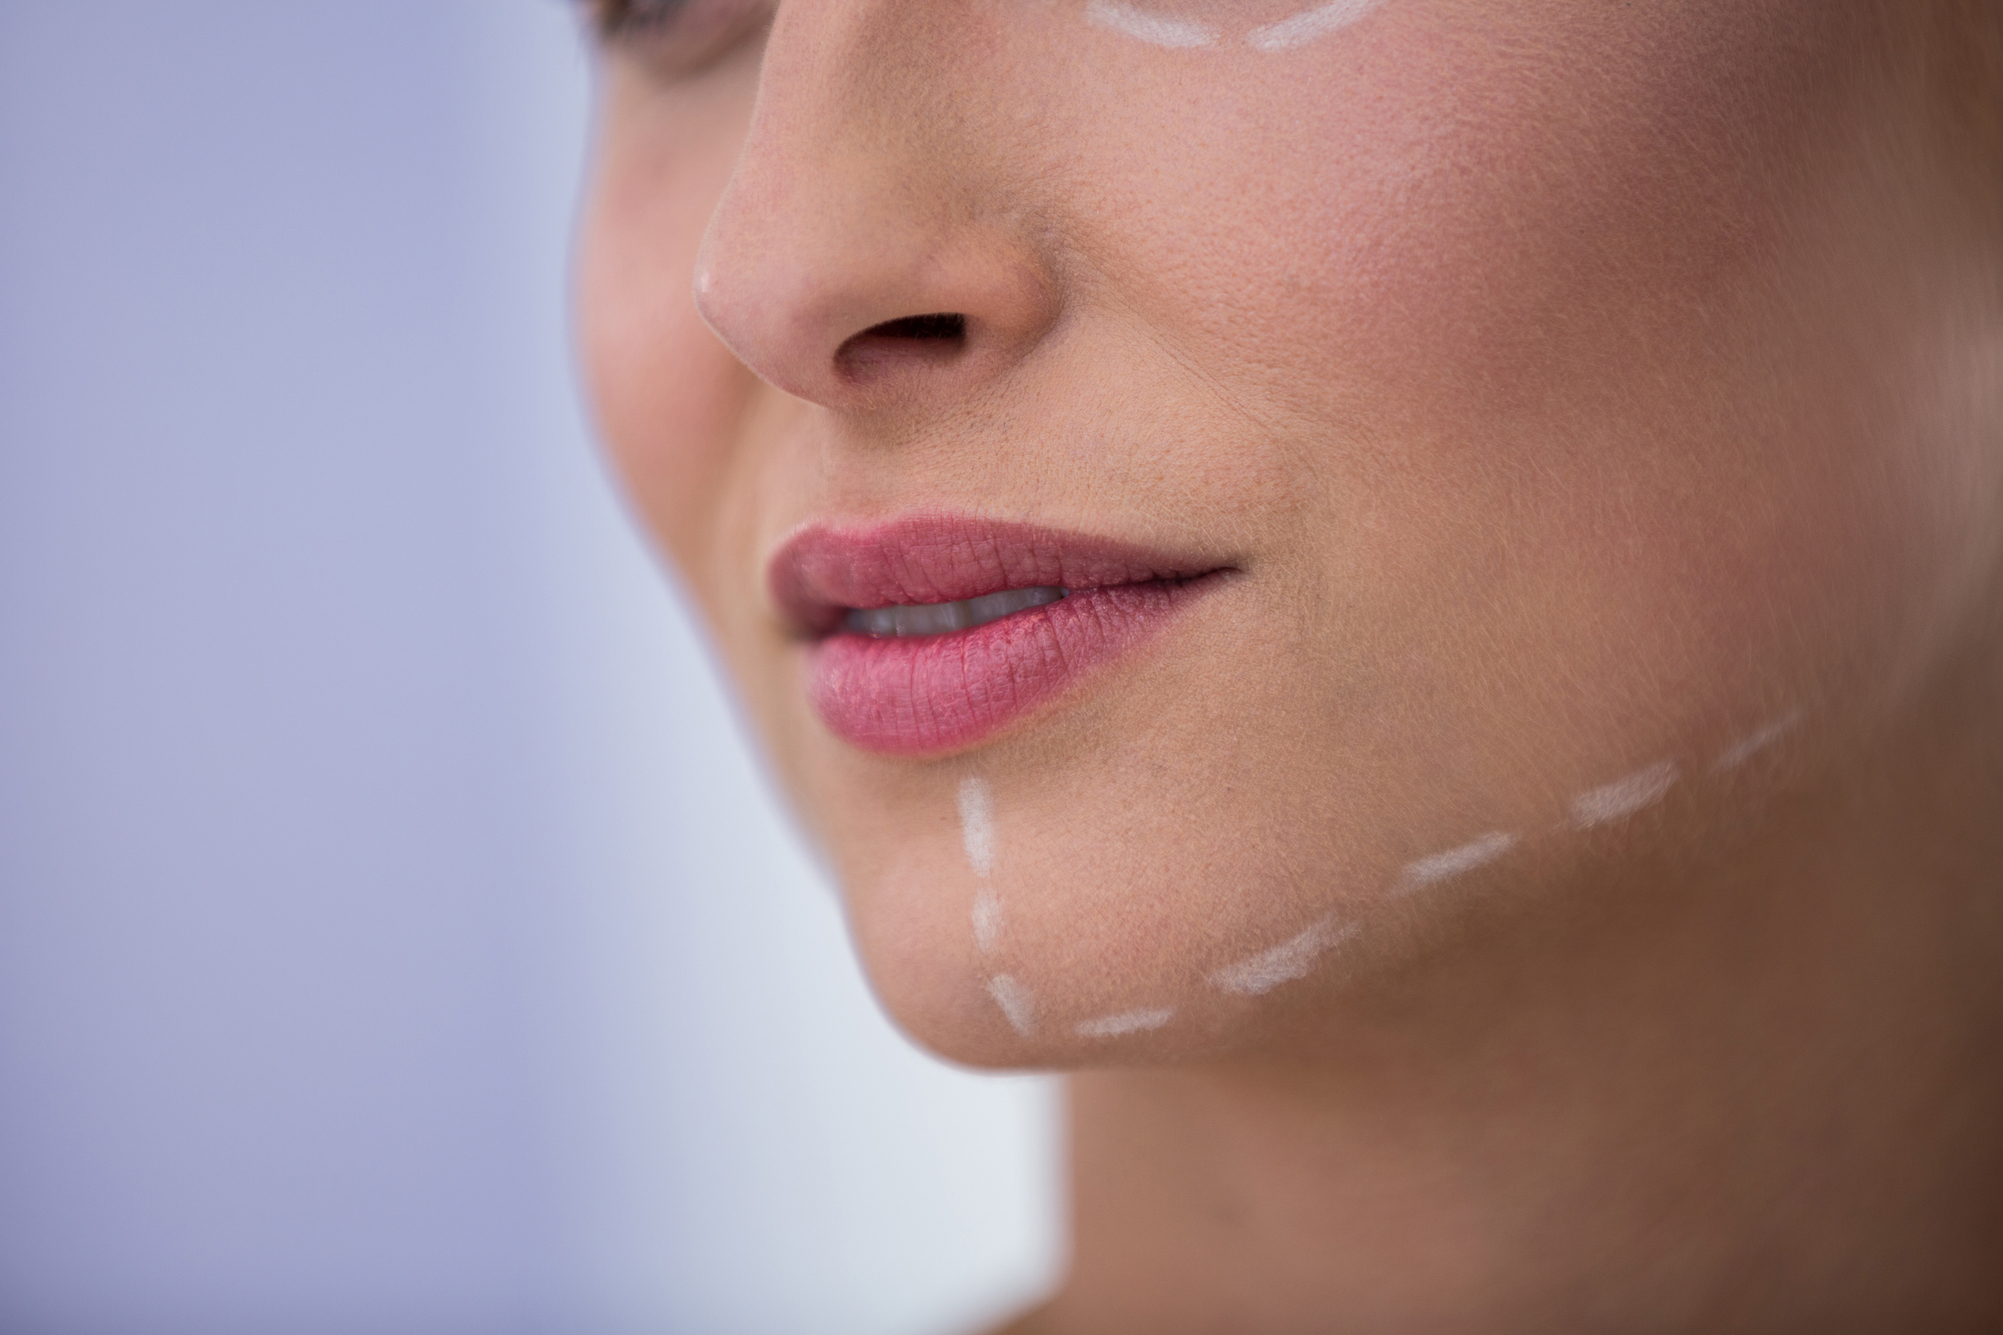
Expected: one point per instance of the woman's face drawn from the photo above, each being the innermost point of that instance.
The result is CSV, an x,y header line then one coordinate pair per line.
x,y
1484,445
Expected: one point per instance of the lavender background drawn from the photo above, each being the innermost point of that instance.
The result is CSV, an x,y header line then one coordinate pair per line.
x,y
394,936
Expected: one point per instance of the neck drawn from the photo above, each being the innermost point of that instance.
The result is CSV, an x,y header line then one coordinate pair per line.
x,y
1759,1091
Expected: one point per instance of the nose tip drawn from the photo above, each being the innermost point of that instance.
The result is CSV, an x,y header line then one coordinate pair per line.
x,y
838,307
866,245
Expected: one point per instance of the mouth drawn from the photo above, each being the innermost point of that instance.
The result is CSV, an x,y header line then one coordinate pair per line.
x,y
930,634
943,618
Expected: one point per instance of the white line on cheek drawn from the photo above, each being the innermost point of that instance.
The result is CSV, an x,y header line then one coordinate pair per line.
x,y
977,824
1150,28
1304,28
1757,742
1283,963
987,920
1126,1022
1625,796
1015,1001
1437,867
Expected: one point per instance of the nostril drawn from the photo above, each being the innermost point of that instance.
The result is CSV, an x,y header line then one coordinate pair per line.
x,y
921,339
920,326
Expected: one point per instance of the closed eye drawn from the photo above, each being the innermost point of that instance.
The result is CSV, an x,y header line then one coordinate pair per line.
x,y
676,37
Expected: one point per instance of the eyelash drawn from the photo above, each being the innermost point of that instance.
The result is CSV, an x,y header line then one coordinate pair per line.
x,y
615,19
676,38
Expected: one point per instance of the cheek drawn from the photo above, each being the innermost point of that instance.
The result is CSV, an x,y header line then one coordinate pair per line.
x,y
1553,347
1582,458
669,396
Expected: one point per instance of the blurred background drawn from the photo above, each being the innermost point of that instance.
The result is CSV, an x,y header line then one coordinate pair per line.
x,y
394,934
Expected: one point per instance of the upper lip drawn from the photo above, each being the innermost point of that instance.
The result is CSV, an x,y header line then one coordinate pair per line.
x,y
822,570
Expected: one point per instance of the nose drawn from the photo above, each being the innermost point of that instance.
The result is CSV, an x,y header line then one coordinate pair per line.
x,y
866,247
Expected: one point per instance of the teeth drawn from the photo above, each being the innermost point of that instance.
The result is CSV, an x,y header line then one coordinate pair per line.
x,y
939,618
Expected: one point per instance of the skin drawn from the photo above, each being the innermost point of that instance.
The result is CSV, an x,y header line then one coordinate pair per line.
x,y
1572,387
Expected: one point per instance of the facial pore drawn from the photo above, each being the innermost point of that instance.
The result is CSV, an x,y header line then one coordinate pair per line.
x,y
1576,411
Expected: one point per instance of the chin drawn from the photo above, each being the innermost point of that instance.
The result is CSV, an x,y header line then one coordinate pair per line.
x,y
1219,842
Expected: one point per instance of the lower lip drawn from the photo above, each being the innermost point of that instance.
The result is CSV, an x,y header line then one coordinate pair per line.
x,y
930,694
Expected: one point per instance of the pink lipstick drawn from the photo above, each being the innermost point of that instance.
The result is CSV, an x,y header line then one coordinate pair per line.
x,y
931,633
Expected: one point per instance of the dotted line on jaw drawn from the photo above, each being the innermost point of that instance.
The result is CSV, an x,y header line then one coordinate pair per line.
x,y
1295,957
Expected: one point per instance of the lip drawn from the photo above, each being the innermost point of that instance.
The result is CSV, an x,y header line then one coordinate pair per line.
x,y
933,694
